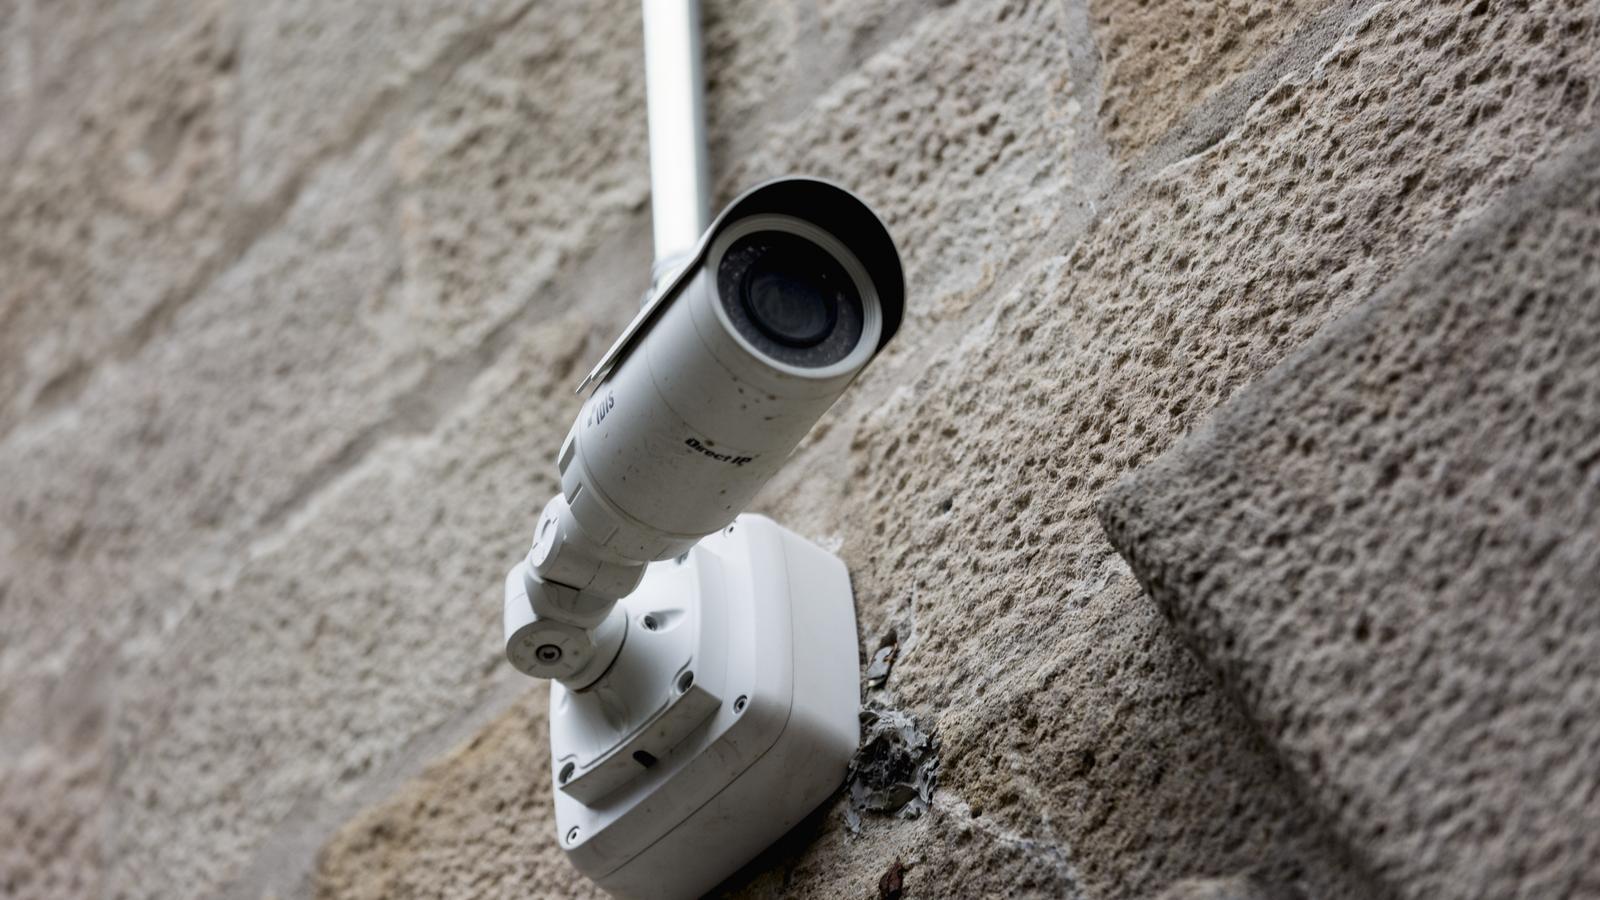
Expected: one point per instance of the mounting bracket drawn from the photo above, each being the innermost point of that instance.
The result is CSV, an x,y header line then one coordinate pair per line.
x,y
730,714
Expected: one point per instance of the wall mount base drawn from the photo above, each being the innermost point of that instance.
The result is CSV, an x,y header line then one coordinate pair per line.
x,y
730,714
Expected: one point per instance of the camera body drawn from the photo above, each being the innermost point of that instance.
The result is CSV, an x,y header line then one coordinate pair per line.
x,y
687,429
704,691
788,296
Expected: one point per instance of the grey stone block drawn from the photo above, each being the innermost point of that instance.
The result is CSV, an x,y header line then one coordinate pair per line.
x,y
305,488
314,76
766,61
1084,748
962,134
1390,549
1067,709
16,95
1163,58
480,816
50,805
160,138
156,477
358,633
115,198
356,319
52,796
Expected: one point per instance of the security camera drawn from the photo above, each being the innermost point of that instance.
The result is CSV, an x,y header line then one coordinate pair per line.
x,y
704,693
791,292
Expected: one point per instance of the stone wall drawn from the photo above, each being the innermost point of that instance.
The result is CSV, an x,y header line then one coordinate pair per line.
x,y
294,293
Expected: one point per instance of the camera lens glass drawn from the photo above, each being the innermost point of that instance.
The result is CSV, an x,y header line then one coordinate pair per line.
x,y
788,304
790,298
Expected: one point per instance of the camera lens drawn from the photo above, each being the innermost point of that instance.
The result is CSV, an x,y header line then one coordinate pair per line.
x,y
790,298
790,303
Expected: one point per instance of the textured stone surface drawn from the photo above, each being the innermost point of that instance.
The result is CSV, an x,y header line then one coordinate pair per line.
x,y
114,202
161,135
481,822
1096,754
765,61
49,810
369,626
751,54
211,431
535,153
1214,889
346,327
1391,548
52,796
366,300
261,540
955,134
312,74
965,510
1163,57
16,90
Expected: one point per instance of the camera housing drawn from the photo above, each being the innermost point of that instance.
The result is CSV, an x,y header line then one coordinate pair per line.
x,y
696,720
701,405
700,402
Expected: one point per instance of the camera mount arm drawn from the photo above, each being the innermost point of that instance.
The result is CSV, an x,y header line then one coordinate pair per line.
x,y
561,619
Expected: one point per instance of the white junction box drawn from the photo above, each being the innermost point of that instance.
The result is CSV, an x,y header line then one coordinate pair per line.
x,y
730,714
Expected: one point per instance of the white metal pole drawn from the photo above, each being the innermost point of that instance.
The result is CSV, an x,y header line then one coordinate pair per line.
x,y
680,182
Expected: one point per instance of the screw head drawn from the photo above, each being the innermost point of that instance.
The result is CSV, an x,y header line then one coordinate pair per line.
x,y
548,653
741,703
544,541
566,773
572,835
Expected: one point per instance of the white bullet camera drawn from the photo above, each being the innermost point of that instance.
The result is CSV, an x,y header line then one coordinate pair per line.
x,y
695,721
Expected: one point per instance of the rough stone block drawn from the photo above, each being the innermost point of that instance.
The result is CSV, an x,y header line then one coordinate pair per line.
x,y
1095,753
531,158
357,319
766,61
50,805
1214,889
965,509
283,678
16,94
1390,548
312,75
751,49
960,134
371,625
480,819
167,462
345,327
1161,59
160,137
52,795
115,201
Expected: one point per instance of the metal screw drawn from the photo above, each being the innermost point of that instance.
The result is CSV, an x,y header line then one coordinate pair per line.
x,y
572,835
739,704
548,653
566,773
